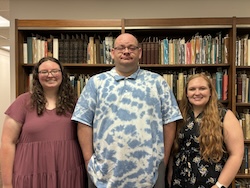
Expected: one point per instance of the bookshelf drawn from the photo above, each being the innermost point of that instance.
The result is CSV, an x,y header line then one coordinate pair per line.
x,y
46,28
241,67
187,29
144,29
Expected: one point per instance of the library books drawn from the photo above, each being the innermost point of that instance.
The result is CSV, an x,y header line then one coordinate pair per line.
x,y
80,48
177,82
198,50
69,48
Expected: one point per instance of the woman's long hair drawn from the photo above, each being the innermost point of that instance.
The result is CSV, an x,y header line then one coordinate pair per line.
x,y
66,97
211,135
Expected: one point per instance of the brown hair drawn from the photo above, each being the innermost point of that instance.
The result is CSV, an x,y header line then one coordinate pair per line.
x,y
210,129
66,97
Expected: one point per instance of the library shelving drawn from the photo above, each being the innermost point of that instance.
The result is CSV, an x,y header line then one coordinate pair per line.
x,y
241,103
151,33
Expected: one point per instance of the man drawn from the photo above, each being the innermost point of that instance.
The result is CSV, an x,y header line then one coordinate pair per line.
x,y
126,122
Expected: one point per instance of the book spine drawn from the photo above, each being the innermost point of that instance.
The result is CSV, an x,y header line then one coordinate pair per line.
x,y
225,86
246,160
239,88
219,84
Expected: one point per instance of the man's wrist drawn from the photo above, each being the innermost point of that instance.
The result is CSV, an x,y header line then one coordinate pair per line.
x,y
219,185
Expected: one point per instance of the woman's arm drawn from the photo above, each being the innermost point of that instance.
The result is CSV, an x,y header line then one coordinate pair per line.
x,y
234,140
10,135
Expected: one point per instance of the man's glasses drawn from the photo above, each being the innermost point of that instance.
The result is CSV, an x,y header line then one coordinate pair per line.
x,y
54,72
123,48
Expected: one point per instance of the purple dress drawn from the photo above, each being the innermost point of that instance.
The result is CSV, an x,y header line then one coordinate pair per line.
x,y
47,153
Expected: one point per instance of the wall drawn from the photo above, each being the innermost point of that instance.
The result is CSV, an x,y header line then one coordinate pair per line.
x,y
4,84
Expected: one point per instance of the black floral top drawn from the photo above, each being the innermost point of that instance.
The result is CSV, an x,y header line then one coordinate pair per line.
x,y
189,169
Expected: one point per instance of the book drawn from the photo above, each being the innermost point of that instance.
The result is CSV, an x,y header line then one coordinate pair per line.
x,y
25,53
182,51
80,50
180,85
61,49
98,50
109,44
90,50
50,46
226,50
148,52
188,52
66,49
197,49
193,51
239,88
246,171
219,48
55,48
34,49
144,52
225,85
156,51
165,51
171,52
29,50
152,52
219,76
74,50
244,88
248,51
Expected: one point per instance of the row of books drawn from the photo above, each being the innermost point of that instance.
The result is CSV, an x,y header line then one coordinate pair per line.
x,y
177,82
244,120
242,87
78,81
198,50
77,48
242,183
242,57
244,169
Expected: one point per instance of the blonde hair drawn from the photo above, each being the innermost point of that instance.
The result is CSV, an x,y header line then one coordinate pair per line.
x,y
211,136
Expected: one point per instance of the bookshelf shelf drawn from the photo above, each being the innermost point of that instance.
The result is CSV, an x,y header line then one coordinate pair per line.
x,y
245,176
173,28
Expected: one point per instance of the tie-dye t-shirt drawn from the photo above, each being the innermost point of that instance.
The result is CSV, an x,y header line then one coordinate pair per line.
x,y
127,115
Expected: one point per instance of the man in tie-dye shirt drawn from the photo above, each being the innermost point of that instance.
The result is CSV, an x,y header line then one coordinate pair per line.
x,y
126,122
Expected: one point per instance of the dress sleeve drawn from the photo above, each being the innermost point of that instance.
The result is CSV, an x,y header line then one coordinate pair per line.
x,y
17,110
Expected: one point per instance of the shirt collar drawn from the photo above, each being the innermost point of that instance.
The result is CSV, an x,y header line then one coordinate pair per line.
x,y
118,77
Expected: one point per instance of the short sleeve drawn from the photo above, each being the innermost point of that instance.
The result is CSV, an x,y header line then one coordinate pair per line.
x,y
17,110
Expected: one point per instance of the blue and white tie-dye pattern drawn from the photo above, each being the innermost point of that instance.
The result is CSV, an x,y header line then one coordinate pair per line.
x,y
127,115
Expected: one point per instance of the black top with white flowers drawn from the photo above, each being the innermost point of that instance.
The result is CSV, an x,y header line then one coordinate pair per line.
x,y
189,170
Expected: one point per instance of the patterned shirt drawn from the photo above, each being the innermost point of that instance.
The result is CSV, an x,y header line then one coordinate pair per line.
x,y
127,115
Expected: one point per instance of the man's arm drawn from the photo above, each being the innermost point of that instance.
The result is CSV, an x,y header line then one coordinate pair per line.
x,y
169,135
85,137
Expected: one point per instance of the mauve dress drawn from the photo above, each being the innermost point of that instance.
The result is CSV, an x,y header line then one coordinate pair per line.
x,y
48,154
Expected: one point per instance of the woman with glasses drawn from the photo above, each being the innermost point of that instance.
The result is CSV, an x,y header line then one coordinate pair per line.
x,y
39,140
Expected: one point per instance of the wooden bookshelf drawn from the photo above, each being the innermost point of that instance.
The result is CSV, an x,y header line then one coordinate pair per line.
x,y
142,28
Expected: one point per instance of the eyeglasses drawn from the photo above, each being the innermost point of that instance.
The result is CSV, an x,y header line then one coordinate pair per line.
x,y
54,72
123,48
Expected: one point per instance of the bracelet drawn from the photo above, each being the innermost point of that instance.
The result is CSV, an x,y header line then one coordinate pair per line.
x,y
219,185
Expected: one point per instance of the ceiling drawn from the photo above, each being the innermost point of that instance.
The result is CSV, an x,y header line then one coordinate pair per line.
x,y
4,31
